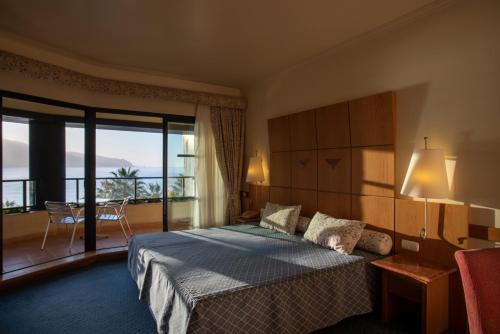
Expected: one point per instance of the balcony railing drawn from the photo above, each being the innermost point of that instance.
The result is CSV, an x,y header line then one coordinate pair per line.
x,y
138,189
19,195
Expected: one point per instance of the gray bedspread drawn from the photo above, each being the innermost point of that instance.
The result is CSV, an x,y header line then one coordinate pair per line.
x,y
247,280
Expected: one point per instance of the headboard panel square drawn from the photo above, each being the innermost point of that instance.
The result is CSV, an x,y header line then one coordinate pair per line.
x,y
332,126
373,171
334,170
334,204
303,131
376,211
280,195
305,169
308,199
280,166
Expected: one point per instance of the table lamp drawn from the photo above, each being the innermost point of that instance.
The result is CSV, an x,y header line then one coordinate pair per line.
x,y
426,178
255,173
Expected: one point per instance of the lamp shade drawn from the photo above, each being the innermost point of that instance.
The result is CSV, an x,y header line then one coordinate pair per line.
x,y
255,172
426,176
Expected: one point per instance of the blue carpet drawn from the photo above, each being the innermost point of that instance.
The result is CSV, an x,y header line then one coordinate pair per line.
x,y
103,299
97,299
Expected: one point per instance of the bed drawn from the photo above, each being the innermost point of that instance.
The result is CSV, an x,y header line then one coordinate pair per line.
x,y
247,279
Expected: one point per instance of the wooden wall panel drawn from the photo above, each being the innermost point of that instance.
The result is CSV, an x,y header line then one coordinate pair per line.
x,y
303,131
335,205
308,199
447,230
490,233
259,196
279,134
279,195
373,171
338,158
372,120
280,169
332,123
305,169
334,170
377,212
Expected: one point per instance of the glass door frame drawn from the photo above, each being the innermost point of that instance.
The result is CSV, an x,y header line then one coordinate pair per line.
x,y
90,123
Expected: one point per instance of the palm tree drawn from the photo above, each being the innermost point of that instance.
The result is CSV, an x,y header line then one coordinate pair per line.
x,y
153,191
125,172
119,189
9,204
176,188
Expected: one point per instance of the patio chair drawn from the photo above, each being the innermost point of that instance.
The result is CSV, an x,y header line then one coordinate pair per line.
x,y
62,213
115,212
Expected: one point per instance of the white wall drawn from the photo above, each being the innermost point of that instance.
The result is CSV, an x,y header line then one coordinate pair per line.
x,y
445,69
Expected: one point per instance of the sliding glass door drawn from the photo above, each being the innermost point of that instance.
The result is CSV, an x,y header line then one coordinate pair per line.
x,y
129,177
34,160
181,175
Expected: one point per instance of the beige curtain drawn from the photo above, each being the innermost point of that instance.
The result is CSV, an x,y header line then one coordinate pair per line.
x,y
210,207
229,132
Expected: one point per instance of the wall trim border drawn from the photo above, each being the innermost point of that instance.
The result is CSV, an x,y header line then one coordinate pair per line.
x,y
35,69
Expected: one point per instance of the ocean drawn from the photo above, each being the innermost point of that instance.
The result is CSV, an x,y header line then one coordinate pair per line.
x,y
12,191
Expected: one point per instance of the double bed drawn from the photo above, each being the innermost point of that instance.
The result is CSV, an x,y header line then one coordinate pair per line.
x,y
247,279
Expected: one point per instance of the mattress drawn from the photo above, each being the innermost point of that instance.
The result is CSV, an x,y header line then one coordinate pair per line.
x,y
247,279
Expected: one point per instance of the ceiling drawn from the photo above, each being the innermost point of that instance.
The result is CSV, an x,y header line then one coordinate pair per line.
x,y
229,42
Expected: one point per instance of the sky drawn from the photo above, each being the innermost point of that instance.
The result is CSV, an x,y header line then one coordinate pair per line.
x,y
142,149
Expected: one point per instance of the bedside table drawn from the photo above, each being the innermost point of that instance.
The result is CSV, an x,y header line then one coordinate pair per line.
x,y
420,282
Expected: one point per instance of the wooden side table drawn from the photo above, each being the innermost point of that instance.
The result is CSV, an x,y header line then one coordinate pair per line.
x,y
420,282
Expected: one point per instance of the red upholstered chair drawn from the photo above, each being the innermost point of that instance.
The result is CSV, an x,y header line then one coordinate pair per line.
x,y
480,271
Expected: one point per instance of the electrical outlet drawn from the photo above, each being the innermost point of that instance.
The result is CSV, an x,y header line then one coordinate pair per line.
x,y
410,245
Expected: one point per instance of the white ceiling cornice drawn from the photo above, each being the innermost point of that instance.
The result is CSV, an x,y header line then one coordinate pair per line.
x,y
31,49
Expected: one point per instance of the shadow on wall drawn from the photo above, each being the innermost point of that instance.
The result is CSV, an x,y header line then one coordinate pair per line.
x,y
477,178
411,103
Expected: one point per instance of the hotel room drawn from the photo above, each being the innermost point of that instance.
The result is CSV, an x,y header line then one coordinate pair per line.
x,y
250,167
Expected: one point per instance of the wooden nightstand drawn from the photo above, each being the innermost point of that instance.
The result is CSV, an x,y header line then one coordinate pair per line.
x,y
420,282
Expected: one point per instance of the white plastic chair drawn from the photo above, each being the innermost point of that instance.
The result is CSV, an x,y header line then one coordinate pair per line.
x,y
115,212
62,213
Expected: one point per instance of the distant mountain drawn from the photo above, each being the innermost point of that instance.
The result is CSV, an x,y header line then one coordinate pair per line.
x,y
75,159
16,154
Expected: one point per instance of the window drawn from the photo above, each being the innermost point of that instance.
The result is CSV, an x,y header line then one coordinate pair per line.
x,y
181,177
17,188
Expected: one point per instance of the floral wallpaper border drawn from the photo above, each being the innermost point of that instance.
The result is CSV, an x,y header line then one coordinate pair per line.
x,y
38,70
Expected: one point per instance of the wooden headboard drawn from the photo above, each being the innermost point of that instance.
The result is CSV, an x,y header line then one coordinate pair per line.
x,y
337,159
340,160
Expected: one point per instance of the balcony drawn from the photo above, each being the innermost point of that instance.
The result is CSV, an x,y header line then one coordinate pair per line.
x,y
24,227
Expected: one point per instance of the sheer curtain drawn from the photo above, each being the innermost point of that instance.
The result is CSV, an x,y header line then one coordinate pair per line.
x,y
209,209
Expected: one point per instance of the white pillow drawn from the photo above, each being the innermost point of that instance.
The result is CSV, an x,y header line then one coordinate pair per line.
x,y
338,234
375,242
284,222
303,224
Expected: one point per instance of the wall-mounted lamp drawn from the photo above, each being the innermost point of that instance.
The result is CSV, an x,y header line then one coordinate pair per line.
x,y
255,173
426,178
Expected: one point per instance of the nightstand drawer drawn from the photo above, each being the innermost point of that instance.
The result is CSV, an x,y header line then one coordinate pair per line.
x,y
404,287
